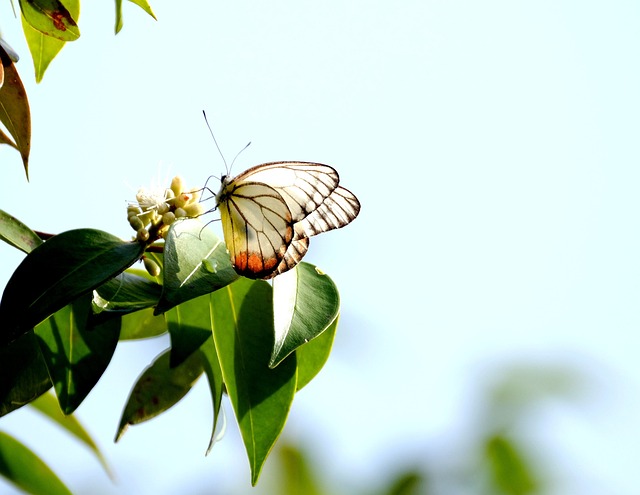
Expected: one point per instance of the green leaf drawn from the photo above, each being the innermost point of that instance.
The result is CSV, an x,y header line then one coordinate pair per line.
x,y
76,351
48,405
189,325
126,293
58,272
43,48
305,302
52,18
142,324
297,473
261,397
143,4
312,356
196,262
17,234
216,385
158,388
14,109
26,470
23,372
509,470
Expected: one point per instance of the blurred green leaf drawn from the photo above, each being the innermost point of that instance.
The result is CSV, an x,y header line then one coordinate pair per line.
x,y
196,262
261,397
23,373
17,234
312,356
26,470
58,272
76,351
52,18
297,476
15,114
305,302
158,388
509,470
408,483
48,405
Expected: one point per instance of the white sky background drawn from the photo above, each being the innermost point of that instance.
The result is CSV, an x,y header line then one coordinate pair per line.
x,y
494,148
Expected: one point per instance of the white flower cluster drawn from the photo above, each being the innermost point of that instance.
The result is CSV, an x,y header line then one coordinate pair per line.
x,y
156,209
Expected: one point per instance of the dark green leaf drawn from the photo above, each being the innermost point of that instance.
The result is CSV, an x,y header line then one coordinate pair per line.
x,y
196,262
189,325
312,356
126,293
23,373
14,109
216,385
305,302
76,351
158,388
58,272
261,396
17,234
51,18
142,324
26,470
48,405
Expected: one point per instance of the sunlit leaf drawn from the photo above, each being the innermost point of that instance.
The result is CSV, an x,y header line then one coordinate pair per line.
x,y
48,405
142,324
312,356
23,372
158,388
17,234
58,272
260,396
76,350
26,470
52,18
143,4
43,48
305,302
196,262
14,110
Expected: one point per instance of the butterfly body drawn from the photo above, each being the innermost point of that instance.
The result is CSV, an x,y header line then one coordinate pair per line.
x,y
269,211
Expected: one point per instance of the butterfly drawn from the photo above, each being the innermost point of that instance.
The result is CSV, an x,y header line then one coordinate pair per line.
x,y
269,211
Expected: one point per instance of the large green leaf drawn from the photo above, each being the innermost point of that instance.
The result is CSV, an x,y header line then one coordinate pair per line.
x,y
17,234
26,470
312,356
48,405
58,272
23,373
76,350
305,302
14,109
52,18
158,388
261,396
196,262
189,325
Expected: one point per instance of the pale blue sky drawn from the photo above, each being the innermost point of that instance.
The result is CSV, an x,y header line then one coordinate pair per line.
x,y
493,146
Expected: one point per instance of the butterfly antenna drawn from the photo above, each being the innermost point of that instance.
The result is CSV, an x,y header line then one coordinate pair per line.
x,y
214,140
238,154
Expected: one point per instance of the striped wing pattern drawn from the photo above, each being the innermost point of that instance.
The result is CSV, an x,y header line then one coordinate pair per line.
x,y
269,212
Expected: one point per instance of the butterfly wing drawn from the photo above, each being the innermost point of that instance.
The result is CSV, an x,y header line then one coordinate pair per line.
x,y
263,239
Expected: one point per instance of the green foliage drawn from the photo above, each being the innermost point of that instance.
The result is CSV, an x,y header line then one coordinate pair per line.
x,y
73,298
